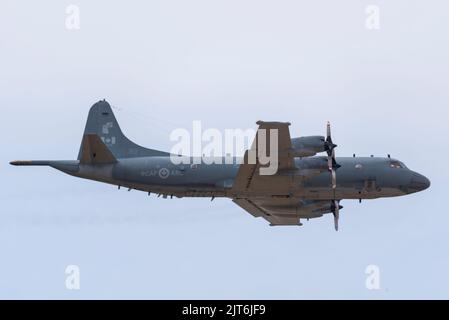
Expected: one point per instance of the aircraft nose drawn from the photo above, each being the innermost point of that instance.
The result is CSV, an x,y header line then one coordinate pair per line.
x,y
418,183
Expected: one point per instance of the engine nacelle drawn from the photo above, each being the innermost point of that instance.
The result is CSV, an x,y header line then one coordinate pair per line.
x,y
308,146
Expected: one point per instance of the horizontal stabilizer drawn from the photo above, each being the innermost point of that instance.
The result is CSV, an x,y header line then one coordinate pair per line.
x,y
30,163
94,151
68,166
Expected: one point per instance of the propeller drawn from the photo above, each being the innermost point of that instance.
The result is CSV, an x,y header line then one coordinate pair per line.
x,y
329,147
332,164
335,208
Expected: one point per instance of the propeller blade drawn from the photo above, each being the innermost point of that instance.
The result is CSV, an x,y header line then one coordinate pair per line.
x,y
330,158
336,212
334,178
331,162
336,216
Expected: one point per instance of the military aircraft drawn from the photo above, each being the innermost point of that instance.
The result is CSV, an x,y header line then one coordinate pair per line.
x,y
305,186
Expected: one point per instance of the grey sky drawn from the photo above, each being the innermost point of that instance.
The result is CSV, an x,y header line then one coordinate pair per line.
x,y
228,63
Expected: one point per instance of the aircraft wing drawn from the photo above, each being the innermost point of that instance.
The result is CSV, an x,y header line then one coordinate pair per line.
x,y
249,176
283,211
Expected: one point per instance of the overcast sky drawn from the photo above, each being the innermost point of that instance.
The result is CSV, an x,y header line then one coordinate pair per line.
x,y
163,64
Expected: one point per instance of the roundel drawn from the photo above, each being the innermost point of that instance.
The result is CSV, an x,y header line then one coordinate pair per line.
x,y
164,173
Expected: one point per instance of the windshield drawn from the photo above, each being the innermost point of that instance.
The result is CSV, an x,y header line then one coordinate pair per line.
x,y
397,164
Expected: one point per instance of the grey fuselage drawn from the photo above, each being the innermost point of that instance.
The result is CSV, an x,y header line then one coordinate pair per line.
x,y
357,178
303,186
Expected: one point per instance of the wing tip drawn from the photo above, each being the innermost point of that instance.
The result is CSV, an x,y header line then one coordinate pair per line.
x,y
260,122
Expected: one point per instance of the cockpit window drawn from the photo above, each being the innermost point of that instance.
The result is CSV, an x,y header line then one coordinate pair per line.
x,y
397,165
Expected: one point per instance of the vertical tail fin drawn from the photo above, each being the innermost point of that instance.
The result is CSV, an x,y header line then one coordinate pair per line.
x,y
101,122
94,151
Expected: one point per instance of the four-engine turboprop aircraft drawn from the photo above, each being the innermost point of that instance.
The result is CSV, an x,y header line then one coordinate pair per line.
x,y
305,186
